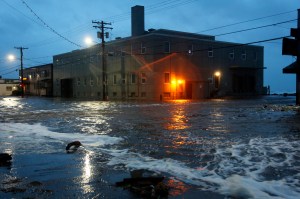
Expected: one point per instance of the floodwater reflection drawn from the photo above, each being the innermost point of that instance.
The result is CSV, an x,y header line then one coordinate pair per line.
x,y
177,187
11,102
178,117
87,174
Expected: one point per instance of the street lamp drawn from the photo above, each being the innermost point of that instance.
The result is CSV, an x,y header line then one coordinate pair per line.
x,y
88,40
11,57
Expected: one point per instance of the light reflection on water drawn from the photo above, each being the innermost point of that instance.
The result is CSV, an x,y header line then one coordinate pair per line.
x,y
87,173
178,119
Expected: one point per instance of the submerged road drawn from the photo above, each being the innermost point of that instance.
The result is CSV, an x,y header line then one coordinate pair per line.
x,y
209,149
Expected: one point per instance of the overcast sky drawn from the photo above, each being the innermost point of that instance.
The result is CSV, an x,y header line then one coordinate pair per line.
x,y
51,27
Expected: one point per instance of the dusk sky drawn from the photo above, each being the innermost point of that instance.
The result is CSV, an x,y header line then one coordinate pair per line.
x,y
51,27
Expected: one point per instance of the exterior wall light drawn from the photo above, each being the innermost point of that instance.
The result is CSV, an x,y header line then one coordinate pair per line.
x,y
217,73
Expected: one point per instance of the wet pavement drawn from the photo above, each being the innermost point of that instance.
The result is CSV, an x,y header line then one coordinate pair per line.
x,y
205,149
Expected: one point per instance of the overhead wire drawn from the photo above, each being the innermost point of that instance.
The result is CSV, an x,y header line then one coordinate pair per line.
x,y
170,5
259,27
246,21
17,10
49,27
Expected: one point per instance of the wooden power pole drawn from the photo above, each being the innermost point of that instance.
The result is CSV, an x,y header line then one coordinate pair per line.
x,y
102,26
21,71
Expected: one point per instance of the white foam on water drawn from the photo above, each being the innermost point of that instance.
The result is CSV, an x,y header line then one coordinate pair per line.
x,y
38,132
241,170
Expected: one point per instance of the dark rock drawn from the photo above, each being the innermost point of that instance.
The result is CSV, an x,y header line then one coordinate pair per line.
x,y
149,187
5,159
35,184
13,190
73,146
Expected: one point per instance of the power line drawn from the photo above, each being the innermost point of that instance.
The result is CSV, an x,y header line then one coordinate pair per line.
x,y
29,18
171,3
250,20
274,24
45,24
13,71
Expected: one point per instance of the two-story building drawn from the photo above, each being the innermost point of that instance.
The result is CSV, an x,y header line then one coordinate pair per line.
x,y
159,64
38,80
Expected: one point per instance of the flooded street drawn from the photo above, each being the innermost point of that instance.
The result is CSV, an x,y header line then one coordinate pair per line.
x,y
209,149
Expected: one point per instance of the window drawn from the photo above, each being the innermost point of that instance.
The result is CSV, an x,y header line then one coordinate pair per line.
x,y
78,81
132,94
92,58
85,81
8,88
98,80
167,47
210,52
123,53
167,94
190,49
255,56
231,55
143,94
44,73
91,81
167,77
115,94
244,55
115,79
143,78
133,78
143,49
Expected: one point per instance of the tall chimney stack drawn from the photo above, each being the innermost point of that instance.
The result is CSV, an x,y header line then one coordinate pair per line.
x,y
137,20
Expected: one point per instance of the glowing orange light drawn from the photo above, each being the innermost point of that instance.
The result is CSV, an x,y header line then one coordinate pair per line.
x,y
217,74
173,82
180,81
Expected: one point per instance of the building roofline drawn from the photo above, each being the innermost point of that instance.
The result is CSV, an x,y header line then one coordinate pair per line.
x,y
39,66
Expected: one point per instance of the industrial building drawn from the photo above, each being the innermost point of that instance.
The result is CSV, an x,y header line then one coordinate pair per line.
x,y
38,80
159,64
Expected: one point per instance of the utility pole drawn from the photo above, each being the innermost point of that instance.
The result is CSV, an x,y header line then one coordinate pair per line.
x,y
102,26
21,72
292,47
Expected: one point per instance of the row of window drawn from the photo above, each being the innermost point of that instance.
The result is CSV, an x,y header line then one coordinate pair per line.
x,y
210,52
143,50
43,73
114,94
133,80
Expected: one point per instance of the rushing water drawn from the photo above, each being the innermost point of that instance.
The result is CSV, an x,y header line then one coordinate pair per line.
x,y
209,149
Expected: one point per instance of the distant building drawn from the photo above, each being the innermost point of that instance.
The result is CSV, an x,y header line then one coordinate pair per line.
x,y
38,80
8,86
160,64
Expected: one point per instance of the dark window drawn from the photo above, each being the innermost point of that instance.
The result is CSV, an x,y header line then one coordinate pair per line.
x,y
167,47
143,49
133,78
190,49
255,56
167,77
115,79
210,52
244,55
231,55
143,79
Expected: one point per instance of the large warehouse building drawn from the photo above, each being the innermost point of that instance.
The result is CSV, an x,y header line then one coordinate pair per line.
x,y
159,64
